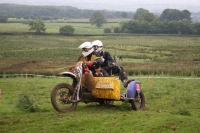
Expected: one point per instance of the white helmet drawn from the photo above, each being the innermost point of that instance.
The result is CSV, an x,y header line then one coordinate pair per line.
x,y
99,44
87,45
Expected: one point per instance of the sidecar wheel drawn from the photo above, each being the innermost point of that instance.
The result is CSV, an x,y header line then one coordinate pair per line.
x,y
61,96
138,103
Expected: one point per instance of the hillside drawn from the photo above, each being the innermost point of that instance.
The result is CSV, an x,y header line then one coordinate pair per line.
x,y
28,11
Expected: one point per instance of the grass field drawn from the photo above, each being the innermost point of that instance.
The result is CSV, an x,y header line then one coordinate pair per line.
x,y
172,105
172,99
142,55
81,26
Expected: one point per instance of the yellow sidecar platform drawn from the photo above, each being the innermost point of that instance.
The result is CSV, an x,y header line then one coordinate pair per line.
x,y
107,87
102,87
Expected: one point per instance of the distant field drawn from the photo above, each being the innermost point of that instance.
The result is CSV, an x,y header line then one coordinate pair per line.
x,y
114,20
81,26
142,55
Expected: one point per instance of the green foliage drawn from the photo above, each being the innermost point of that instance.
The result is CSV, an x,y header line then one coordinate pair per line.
x,y
116,30
155,26
97,19
37,25
175,15
3,18
67,30
185,27
139,13
26,103
124,14
196,28
54,12
173,27
147,16
107,30
186,14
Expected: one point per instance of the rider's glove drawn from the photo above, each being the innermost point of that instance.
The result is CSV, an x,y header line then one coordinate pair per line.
x,y
111,64
84,65
94,63
89,63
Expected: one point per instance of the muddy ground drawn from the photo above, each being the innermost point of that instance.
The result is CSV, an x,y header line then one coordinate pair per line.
x,y
38,66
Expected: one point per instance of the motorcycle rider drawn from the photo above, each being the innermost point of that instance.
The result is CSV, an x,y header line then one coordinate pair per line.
x,y
92,58
95,46
108,61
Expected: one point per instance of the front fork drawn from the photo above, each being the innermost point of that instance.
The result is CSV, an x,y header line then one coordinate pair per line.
x,y
75,94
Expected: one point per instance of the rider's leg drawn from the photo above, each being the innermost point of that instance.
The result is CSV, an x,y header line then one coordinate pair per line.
x,y
104,72
124,78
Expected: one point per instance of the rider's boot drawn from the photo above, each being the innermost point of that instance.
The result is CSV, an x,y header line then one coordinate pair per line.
x,y
124,79
126,82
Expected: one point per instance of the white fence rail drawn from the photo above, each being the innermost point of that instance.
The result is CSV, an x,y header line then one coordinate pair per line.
x,y
44,76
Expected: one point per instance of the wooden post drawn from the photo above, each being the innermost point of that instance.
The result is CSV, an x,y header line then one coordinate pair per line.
x,y
26,76
149,80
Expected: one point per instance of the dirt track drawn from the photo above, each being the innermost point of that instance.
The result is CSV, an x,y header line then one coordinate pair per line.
x,y
36,65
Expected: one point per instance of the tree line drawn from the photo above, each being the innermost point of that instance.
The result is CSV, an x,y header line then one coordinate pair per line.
x,y
171,21
54,12
157,27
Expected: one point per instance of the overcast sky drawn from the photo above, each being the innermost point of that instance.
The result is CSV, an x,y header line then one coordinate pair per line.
x,y
117,5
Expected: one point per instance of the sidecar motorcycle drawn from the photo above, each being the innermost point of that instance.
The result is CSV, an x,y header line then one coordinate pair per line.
x,y
87,88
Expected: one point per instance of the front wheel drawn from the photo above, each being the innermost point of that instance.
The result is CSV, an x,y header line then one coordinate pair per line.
x,y
138,103
61,97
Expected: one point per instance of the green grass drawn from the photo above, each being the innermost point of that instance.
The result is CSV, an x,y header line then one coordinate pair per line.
x,y
80,28
172,105
53,27
14,27
142,55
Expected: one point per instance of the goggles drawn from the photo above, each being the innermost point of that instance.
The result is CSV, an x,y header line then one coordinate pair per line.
x,y
85,49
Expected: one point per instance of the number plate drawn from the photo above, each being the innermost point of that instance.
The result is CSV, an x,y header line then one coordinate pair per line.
x,y
104,85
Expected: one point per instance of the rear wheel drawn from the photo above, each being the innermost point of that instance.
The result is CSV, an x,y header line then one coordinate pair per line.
x,y
138,103
61,97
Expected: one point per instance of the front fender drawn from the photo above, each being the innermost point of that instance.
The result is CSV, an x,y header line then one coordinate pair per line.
x,y
132,88
71,75
67,74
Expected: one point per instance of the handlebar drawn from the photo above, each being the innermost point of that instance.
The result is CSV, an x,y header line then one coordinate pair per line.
x,y
113,64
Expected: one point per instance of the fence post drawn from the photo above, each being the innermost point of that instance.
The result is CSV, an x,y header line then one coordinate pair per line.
x,y
26,76
0,94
